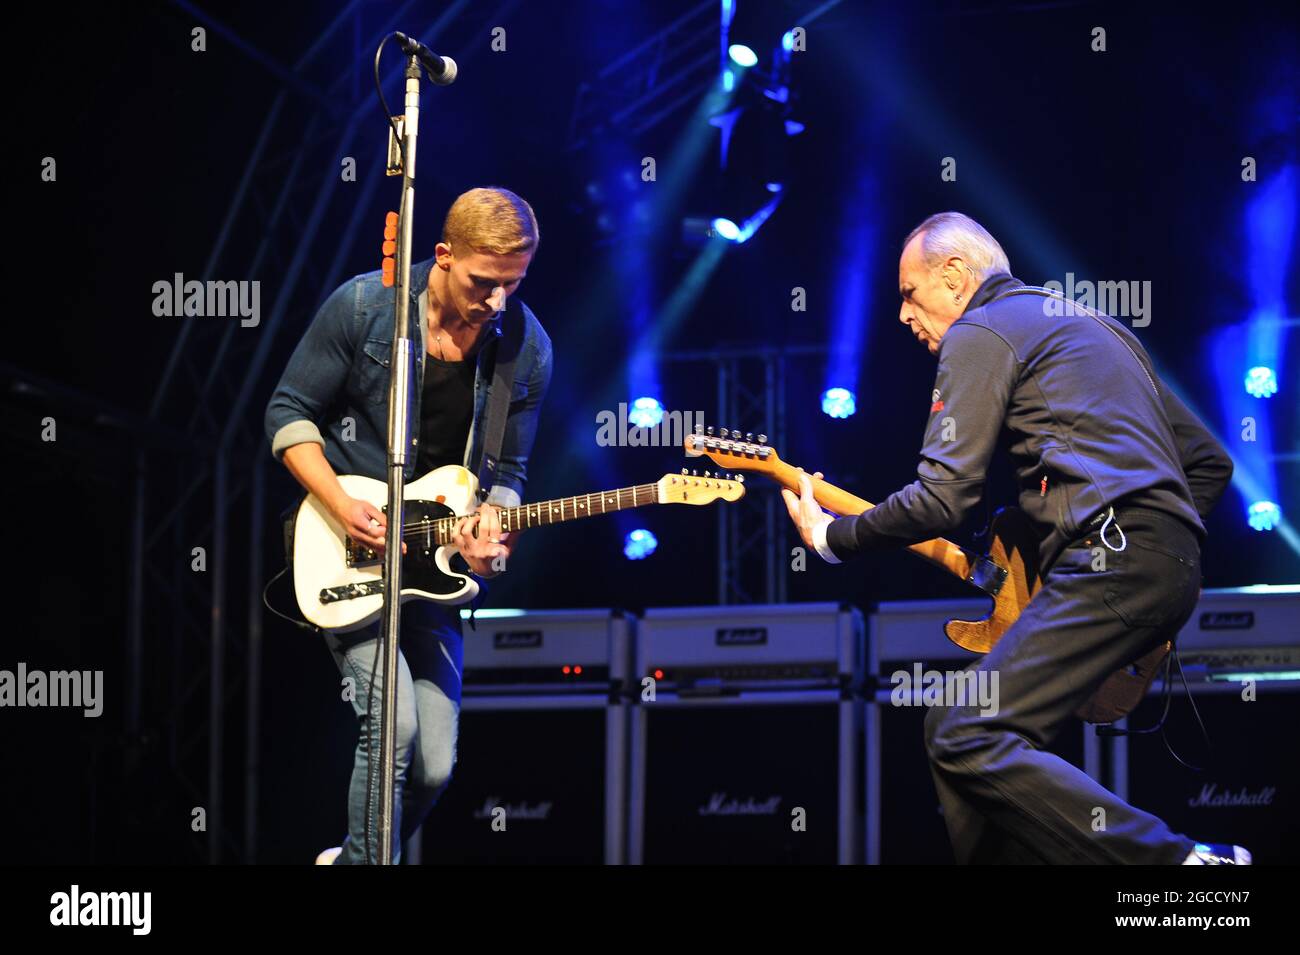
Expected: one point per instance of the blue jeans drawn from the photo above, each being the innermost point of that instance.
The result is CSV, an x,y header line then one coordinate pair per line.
x,y
429,664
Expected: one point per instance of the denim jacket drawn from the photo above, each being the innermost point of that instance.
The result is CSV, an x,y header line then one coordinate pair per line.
x,y
339,373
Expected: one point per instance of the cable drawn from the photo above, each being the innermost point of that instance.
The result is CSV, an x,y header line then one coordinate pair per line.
x,y
283,616
380,90
1159,726
380,647
1205,734
379,643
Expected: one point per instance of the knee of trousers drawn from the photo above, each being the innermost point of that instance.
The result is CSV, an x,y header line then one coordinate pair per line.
x,y
949,732
435,769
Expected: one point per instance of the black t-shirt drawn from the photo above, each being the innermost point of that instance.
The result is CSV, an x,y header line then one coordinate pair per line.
x,y
446,412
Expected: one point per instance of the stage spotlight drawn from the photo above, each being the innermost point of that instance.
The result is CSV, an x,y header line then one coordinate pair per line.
x,y
726,229
1261,382
839,402
639,544
742,55
646,413
1264,515
755,30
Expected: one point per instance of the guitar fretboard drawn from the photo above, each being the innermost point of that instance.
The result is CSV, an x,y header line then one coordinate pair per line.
x,y
556,511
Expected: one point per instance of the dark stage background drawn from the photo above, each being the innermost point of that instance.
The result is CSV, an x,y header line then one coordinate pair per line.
x,y
1117,165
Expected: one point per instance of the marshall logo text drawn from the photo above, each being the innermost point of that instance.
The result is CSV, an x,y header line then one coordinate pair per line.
x,y
741,637
1210,798
514,810
1223,620
517,640
720,805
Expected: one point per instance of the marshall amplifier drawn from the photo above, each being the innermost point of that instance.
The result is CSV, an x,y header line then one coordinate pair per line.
x,y
746,734
546,651
913,660
541,767
1240,652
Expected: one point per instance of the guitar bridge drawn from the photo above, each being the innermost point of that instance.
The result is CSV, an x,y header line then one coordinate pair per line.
x,y
987,576
330,595
359,554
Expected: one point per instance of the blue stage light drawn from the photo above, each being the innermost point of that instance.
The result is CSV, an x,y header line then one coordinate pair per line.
x,y
742,55
839,402
1264,515
1261,382
726,229
787,41
639,544
646,412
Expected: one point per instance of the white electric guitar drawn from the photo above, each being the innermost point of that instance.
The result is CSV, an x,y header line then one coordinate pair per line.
x,y
339,581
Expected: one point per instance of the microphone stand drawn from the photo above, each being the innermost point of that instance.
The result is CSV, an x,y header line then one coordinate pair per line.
x,y
399,404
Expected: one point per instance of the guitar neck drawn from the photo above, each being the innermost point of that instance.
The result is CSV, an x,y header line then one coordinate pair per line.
x,y
562,509
942,552
542,513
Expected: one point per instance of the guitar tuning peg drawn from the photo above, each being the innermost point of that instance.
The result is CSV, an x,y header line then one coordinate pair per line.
x,y
762,439
740,479
699,429
709,431
695,473
686,470
749,436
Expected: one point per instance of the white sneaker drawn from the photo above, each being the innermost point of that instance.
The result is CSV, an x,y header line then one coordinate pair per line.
x,y
1217,853
328,856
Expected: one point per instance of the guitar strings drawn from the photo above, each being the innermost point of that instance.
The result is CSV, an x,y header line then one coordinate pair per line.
x,y
439,525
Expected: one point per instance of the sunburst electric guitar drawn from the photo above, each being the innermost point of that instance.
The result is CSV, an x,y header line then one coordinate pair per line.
x,y
339,581
1007,572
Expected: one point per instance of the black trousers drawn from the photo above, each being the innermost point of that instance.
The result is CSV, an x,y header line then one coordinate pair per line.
x,y
1004,798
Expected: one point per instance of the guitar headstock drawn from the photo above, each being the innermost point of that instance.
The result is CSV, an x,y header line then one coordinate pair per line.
x,y
733,449
703,488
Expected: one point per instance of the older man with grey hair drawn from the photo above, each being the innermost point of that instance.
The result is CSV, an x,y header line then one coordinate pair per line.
x,y
1116,475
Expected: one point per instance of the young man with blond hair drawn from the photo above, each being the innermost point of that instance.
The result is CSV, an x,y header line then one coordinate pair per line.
x,y
328,416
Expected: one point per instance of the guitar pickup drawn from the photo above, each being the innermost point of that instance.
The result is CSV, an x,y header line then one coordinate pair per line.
x,y
331,595
987,576
359,555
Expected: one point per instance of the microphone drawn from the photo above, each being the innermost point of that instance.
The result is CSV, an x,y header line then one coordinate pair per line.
x,y
440,69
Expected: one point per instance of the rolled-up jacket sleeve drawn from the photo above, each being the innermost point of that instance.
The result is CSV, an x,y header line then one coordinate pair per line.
x,y
977,374
316,374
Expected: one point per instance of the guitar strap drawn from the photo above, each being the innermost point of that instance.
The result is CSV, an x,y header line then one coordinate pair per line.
x,y
509,341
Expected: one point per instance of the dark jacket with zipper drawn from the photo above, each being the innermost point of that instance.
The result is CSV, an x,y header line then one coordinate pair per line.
x,y
1087,421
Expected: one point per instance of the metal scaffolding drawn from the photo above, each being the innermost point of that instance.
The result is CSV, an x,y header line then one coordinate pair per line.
x,y
752,535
